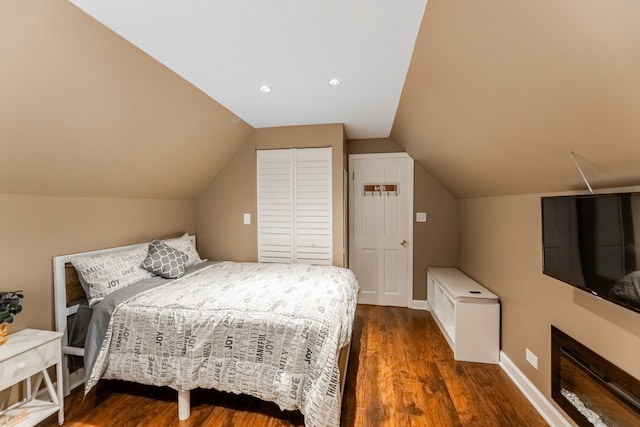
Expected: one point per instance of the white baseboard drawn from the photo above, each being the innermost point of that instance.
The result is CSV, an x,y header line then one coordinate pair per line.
x,y
550,414
418,304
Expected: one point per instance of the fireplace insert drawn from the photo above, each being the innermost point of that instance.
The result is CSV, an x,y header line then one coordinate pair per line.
x,y
590,389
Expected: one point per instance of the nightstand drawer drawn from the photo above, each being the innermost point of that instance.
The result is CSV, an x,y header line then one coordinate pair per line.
x,y
21,366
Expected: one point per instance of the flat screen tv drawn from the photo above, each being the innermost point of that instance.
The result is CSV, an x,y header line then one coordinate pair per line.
x,y
589,241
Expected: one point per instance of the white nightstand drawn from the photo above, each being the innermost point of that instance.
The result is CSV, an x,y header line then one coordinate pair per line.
x,y
24,355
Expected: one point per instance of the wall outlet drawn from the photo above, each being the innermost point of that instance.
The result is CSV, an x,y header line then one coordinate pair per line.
x,y
247,219
421,217
531,358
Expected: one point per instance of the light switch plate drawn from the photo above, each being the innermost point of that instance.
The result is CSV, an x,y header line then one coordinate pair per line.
x,y
247,219
421,217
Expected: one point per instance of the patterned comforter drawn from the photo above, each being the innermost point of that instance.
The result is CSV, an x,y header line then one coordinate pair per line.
x,y
272,331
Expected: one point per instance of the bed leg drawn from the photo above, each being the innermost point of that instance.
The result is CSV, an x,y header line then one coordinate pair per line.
x,y
184,404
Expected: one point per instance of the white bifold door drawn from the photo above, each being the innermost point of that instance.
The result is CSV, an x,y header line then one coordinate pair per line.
x,y
295,206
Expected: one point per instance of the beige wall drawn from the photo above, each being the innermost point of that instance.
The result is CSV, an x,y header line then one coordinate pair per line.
x,y
377,145
434,241
220,209
34,229
500,245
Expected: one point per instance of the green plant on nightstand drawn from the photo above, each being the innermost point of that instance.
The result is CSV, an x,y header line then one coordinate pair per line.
x,y
10,305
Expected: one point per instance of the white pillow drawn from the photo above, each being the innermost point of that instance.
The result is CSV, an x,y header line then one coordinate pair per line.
x,y
185,245
107,273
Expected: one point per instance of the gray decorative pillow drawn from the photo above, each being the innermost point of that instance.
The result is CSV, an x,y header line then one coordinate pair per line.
x,y
164,260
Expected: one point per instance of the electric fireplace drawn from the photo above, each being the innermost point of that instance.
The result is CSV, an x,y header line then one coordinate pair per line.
x,y
589,388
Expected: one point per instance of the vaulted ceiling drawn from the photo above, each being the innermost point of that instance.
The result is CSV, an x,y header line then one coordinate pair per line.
x,y
229,49
492,98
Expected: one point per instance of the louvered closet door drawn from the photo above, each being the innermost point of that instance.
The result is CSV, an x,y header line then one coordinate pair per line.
x,y
295,206
313,202
275,206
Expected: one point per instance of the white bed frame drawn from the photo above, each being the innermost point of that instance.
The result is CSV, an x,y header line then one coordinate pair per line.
x,y
63,310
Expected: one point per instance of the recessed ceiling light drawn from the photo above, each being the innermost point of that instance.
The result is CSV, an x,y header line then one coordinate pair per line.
x,y
265,89
335,82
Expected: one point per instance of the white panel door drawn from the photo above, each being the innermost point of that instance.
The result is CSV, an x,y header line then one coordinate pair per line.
x,y
380,246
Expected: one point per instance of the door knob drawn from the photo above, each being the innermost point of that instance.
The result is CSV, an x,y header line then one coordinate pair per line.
x,y
403,243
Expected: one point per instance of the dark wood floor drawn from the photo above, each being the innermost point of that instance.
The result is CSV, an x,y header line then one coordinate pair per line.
x,y
401,373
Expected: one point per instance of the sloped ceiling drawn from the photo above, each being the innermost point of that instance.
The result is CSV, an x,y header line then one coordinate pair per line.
x,y
228,49
85,113
499,93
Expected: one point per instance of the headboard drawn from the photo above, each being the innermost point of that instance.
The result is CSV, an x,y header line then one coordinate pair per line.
x,y
68,296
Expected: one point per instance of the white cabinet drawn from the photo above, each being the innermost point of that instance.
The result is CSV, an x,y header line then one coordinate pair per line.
x,y
28,354
467,313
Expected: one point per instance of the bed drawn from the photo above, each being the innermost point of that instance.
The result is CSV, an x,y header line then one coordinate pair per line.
x,y
278,332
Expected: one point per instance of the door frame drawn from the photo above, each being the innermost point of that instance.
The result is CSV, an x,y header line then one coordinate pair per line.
x,y
410,188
